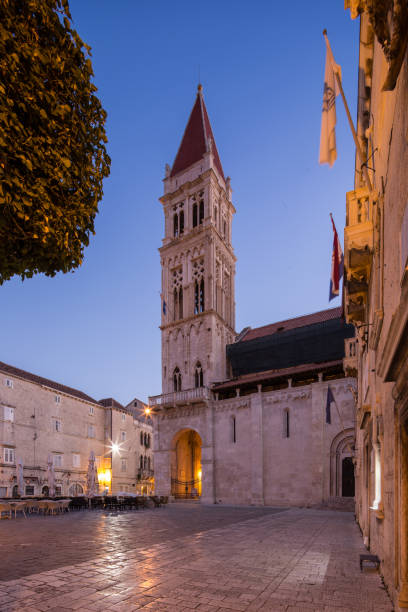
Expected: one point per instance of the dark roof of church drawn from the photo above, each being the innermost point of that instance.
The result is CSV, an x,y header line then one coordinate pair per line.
x,y
311,339
280,326
195,141
46,382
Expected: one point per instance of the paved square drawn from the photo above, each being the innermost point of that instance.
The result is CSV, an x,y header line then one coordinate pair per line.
x,y
187,557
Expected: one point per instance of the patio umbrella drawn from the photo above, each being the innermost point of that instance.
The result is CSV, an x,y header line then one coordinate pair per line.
x,y
20,478
50,476
92,484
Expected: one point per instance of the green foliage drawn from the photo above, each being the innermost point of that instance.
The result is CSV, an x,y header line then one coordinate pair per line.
x,y
52,140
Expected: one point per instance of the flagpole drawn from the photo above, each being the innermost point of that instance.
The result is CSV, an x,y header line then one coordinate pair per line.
x,y
353,131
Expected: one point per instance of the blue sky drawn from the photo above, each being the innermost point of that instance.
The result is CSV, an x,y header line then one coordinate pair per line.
x,y
262,66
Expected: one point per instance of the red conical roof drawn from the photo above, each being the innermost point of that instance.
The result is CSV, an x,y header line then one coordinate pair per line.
x,y
195,142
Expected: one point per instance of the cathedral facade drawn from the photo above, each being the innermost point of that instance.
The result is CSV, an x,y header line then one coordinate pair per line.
x,y
242,418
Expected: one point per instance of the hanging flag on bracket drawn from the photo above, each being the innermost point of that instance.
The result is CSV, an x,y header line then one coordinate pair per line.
x,y
337,264
164,307
328,150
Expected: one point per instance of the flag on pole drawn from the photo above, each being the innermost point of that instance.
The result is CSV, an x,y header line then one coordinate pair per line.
x,y
337,267
330,399
328,151
164,307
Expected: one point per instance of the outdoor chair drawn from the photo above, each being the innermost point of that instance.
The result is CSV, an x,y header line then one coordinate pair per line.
x,y
5,510
155,500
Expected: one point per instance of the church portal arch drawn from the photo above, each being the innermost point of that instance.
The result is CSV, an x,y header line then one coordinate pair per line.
x,y
341,464
186,468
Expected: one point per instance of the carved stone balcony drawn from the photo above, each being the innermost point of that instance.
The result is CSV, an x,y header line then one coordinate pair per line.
x,y
359,248
176,398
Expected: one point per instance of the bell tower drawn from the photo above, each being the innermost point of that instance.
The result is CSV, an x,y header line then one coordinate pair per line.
x,y
197,261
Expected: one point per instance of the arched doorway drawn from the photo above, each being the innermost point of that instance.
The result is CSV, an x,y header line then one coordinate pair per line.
x,y
341,464
186,465
347,477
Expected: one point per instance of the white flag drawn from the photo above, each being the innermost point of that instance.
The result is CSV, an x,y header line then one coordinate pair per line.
x,y
328,151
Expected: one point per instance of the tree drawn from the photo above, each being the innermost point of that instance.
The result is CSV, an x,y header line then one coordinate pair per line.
x,y
52,140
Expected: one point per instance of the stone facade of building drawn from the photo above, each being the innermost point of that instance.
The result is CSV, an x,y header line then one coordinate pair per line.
x,y
376,292
241,419
39,418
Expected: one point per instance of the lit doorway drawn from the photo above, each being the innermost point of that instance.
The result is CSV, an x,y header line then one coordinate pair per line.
x,y
186,465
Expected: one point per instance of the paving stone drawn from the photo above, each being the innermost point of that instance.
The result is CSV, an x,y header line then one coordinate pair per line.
x,y
187,558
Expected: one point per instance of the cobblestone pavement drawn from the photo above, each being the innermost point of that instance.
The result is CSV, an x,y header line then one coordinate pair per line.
x,y
187,557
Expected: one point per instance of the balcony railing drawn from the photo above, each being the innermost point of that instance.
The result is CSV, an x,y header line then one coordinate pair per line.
x,y
187,396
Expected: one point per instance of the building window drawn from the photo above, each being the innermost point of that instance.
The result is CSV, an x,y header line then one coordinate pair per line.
x,y
215,215
286,426
175,226
198,376
141,462
181,222
233,429
3,491
201,218
123,436
76,460
75,490
29,490
91,431
57,460
123,416
91,410
57,425
123,465
199,296
57,399
9,383
177,379
195,214
9,455
177,303
8,413
145,462
58,490
141,438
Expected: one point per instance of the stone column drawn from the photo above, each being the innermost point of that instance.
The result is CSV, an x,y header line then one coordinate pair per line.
x,y
207,468
257,449
162,476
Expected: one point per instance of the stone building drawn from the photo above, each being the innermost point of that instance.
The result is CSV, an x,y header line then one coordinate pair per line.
x,y
376,292
39,418
239,415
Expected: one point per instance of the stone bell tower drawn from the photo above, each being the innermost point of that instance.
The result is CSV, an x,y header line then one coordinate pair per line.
x,y
197,260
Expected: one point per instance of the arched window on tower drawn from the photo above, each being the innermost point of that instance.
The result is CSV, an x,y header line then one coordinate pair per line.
x,y
175,225
180,302
181,222
198,376
199,296
177,380
201,218
195,214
